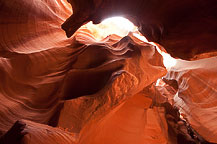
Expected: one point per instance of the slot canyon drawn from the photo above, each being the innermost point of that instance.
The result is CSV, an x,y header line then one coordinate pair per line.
x,y
108,71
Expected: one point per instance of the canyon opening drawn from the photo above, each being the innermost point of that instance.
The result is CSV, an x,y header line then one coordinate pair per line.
x,y
108,72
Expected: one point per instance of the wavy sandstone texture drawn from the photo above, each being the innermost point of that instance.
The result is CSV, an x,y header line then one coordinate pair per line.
x,y
107,88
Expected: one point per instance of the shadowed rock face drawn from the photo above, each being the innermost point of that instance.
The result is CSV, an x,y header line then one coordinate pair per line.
x,y
185,28
86,90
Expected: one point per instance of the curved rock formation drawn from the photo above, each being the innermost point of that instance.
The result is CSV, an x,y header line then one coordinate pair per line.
x,y
185,28
104,87
197,104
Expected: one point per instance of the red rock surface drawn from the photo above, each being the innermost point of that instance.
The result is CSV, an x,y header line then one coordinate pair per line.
x,y
185,28
197,103
105,88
